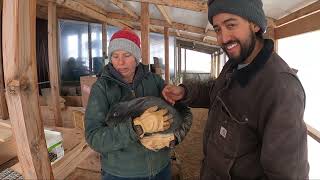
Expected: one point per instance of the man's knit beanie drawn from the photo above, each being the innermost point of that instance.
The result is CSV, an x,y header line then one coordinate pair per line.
x,y
247,9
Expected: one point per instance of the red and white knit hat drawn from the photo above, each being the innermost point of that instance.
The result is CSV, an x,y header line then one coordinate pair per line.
x,y
125,40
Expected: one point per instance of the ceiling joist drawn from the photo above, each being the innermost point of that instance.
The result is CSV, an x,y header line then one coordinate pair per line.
x,y
79,7
157,22
198,5
308,10
307,24
164,13
125,8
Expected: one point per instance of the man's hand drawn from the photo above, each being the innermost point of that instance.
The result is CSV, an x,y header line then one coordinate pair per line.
x,y
173,93
153,120
156,142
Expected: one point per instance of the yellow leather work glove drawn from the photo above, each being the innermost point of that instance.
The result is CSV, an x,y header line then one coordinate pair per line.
x,y
156,142
152,120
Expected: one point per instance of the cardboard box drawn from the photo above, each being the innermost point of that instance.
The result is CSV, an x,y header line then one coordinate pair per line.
x,y
86,82
54,145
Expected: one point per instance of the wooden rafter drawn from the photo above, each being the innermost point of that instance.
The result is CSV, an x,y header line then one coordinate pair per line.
x,y
126,24
157,22
80,7
164,13
125,8
198,5
157,29
178,32
303,25
310,9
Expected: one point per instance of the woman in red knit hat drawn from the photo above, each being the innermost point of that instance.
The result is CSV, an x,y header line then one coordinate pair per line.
x,y
125,152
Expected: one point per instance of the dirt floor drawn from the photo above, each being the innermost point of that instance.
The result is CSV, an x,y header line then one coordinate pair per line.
x,y
188,153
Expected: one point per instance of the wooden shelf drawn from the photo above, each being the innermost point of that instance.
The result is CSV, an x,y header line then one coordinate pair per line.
x,y
75,149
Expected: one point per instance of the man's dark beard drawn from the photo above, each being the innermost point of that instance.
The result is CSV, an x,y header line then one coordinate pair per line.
x,y
245,51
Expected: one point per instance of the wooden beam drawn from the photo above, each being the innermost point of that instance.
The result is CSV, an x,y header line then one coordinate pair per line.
x,y
198,5
207,27
178,32
104,41
160,30
127,25
307,24
164,14
4,114
157,22
125,8
19,57
53,62
314,133
166,55
90,49
145,39
79,7
301,13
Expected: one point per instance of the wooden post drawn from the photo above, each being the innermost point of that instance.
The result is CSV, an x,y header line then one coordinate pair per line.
x,y
166,54
53,62
104,41
90,49
20,74
145,41
179,64
4,114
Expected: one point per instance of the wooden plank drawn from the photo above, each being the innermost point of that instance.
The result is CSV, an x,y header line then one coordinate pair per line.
x,y
86,82
199,5
182,35
303,25
312,8
4,114
314,133
53,62
8,151
120,4
166,55
5,123
145,39
164,13
90,48
5,134
19,57
157,22
178,32
79,7
104,41
75,148
91,163
78,119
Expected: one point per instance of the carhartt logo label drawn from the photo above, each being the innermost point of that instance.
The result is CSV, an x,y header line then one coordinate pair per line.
x,y
223,132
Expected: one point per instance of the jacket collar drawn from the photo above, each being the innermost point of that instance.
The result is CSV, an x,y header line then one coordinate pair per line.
x,y
244,75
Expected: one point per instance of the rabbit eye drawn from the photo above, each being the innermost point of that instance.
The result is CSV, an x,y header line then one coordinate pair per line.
x,y
115,114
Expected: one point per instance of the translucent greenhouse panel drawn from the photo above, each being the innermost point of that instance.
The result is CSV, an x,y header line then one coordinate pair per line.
x,y
74,59
301,53
96,48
